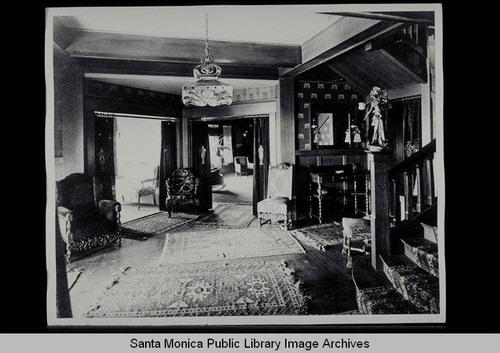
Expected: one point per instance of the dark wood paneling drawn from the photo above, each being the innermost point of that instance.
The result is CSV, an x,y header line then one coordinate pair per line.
x,y
286,119
374,68
359,85
136,47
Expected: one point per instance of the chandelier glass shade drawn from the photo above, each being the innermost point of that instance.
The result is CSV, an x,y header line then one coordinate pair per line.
x,y
208,90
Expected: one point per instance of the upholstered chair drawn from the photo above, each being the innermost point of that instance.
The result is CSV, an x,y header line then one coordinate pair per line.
x,y
242,166
87,222
276,208
183,189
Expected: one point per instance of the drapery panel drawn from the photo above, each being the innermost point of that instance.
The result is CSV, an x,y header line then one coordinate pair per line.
x,y
168,158
200,160
261,160
412,121
105,155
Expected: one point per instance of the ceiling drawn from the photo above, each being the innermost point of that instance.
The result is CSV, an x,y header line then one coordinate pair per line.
x,y
156,48
290,24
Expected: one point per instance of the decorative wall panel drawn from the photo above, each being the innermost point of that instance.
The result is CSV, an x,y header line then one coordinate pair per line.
x,y
254,94
308,93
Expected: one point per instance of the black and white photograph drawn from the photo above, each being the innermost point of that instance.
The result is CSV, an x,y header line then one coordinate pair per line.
x,y
245,165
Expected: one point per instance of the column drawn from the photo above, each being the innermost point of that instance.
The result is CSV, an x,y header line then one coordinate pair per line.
x,y
380,225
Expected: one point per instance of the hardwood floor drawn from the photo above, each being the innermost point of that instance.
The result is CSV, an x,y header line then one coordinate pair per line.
x,y
325,278
130,210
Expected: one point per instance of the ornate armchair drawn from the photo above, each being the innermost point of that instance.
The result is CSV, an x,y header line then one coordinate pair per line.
x,y
276,208
87,222
183,188
242,166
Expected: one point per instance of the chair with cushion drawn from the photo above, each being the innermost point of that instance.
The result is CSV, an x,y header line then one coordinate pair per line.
x,y
149,187
357,236
242,166
87,222
276,208
183,189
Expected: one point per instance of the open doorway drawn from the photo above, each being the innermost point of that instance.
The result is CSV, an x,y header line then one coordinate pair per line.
x,y
137,164
231,145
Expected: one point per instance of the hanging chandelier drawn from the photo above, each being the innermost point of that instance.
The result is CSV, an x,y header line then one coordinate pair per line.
x,y
208,90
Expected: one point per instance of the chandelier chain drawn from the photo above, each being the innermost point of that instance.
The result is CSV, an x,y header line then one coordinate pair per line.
x,y
207,90
206,31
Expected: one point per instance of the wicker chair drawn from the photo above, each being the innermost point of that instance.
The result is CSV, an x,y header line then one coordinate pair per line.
x,y
87,222
276,208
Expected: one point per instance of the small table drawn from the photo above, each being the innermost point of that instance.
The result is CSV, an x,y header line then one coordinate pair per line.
x,y
322,181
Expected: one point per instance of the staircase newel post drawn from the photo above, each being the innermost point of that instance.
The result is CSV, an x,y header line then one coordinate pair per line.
x,y
378,165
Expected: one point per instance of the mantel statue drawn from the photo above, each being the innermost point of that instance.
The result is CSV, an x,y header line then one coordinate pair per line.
x,y
377,111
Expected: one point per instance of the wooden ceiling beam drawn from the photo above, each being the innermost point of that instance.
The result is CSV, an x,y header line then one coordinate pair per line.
x,y
380,28
147,48
64,32
353,80
417,17
155,68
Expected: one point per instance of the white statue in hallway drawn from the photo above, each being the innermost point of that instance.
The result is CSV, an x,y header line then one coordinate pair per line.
x,y
203,153
261,155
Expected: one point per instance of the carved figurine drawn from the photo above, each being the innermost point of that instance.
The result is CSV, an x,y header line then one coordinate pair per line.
x,y
378,105
203,152
261,155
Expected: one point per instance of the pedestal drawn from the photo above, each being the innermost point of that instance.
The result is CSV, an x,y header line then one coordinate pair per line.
x,y
379,203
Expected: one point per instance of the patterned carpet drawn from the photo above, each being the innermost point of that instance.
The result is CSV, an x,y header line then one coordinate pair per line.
x,y
227,215
223,244
321,236
158,223
249,288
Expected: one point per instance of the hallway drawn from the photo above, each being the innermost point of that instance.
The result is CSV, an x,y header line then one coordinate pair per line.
x,y
237,189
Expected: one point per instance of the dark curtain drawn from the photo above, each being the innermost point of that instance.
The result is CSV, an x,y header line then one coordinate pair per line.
x,y
168,159
63,302
261,166
200,160
105,155
404,125
412,121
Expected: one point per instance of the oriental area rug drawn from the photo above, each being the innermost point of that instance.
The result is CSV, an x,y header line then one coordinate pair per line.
x,y
228,215
223,289
321,236
223,244
151,225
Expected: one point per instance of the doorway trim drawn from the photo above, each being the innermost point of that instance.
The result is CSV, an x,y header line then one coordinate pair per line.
x,y
261,108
